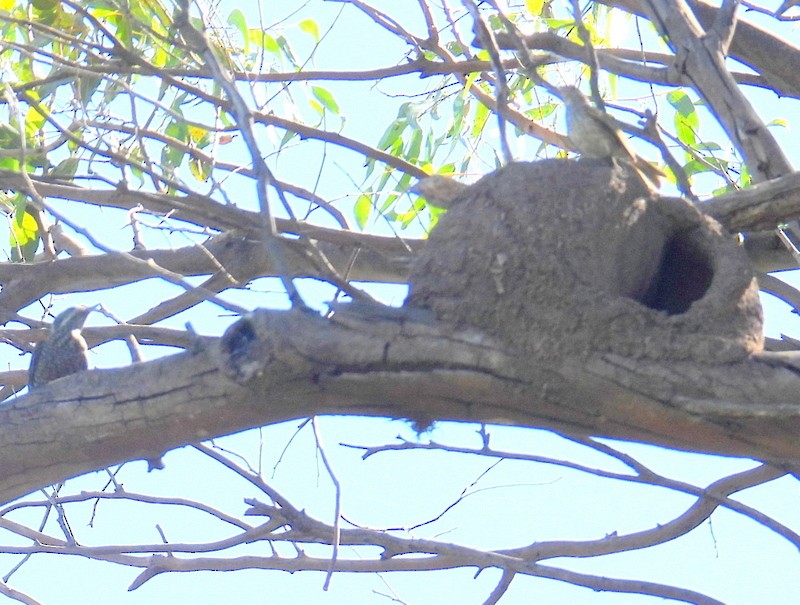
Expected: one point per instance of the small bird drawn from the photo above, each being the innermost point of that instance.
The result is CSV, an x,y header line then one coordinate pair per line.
x,y
64,351
594,135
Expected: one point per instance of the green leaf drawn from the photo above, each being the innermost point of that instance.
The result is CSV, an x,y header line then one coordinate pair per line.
x,y
685,132
287,49
681,102
414,146
687,121
454,48
412,215
387,207
161,57
24,236
324,96
178,130
744,176
265,41
392,133
460,109
201,169
310,27
390,202
46,7
34,121
66,168
568,24
199,136
362,209
9,164
534,7
87,86
171,158
542,111
9,136
287,137
238,20
105,13
482,114
412,113
124,33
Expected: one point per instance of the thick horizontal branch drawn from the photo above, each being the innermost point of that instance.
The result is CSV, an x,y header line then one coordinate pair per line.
x,y
276,366
361,257
761,206
633,64
381,259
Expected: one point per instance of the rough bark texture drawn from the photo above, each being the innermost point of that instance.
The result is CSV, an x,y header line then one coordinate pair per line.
x,y
274,366
562,258
566,298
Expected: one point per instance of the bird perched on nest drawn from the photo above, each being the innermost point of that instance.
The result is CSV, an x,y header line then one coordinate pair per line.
x,y
64,351
594,135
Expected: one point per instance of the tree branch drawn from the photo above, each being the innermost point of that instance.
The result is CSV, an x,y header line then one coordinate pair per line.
x,y
276,366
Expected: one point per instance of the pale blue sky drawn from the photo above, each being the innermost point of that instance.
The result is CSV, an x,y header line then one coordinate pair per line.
x,y
731,559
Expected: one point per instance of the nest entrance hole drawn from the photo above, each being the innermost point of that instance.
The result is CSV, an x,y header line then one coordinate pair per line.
x,y
684,276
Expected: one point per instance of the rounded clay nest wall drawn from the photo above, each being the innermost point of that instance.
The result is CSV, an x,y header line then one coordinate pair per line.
x,y
564,258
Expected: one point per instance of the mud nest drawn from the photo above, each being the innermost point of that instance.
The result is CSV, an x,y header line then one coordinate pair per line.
x,y
564,258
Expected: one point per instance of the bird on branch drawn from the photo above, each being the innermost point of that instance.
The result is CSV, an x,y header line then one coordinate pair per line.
x,y
64,351
594,134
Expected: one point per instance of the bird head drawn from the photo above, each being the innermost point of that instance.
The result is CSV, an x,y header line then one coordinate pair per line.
x,y
573,97
72,318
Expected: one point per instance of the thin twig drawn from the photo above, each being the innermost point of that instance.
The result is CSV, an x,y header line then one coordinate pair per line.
x,y
337,506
